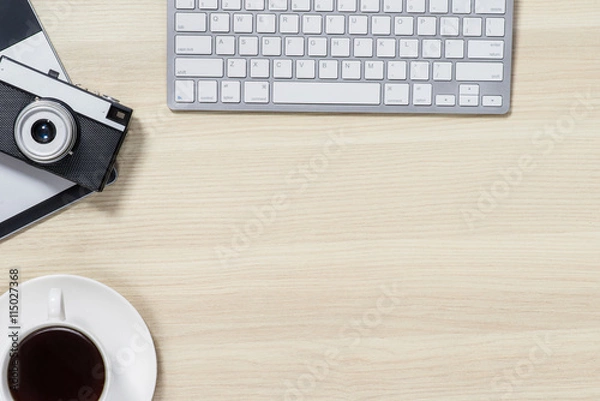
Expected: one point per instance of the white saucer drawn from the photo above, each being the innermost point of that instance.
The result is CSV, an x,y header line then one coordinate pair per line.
x,y
108,316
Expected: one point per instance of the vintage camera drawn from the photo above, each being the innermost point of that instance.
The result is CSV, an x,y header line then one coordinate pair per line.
x,y
59,127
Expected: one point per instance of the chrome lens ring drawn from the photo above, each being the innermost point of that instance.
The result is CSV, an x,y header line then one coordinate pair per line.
x,y
65,129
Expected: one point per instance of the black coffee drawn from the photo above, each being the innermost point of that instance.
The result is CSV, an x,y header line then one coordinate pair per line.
x,y
56,364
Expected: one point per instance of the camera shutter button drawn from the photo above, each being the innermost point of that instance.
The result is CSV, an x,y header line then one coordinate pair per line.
x,y
111,99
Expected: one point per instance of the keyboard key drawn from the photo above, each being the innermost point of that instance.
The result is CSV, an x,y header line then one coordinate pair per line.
x,y
404,26
312,24
243,23
445,100
386,47
415,6
232,5
363,47
397,70
335,24
294,46
374,70
455,48
323,5
494,27
461,6
358,25
396,94
486,49
300,5
492,101
190,22
438,6
255,5
449,26
248,46
479,71
317,46
351,69
327,93
346,6
490,6
432,48
419,70
466,90
256,92
184,91
185,4
422,94
282,68
265,23
259,68
193,45
305,69
328,69
468,101
225,45
392,6
219,22
381,25
203,68
207,4
340,47
230,91
442,71
271,46
426,26
369,6
289,23
409,48
236,68
207,91
472,26
278,5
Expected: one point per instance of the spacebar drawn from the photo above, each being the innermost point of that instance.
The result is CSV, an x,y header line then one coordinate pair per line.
x,y
326,93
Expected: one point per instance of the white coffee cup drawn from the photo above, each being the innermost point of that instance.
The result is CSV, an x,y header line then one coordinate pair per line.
x,y
57,318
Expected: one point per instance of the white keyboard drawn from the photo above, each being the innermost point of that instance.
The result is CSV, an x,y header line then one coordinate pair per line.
x,y
374,56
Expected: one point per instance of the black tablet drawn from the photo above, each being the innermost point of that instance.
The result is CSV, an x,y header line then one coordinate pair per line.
x,y
28,194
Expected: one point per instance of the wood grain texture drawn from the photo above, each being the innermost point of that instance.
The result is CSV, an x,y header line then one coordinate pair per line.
x,y
418,258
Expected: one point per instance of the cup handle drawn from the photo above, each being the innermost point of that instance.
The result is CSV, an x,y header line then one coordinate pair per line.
x,y
56,305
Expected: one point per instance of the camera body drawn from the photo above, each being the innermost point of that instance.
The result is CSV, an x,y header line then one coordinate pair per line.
x,y
58,127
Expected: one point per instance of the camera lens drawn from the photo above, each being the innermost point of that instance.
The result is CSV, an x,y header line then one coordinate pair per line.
x,y
43,131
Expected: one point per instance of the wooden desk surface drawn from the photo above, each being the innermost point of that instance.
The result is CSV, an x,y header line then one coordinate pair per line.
x,y
414,258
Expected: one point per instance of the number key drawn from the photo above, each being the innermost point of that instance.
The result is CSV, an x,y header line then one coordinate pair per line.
x,y
415,6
